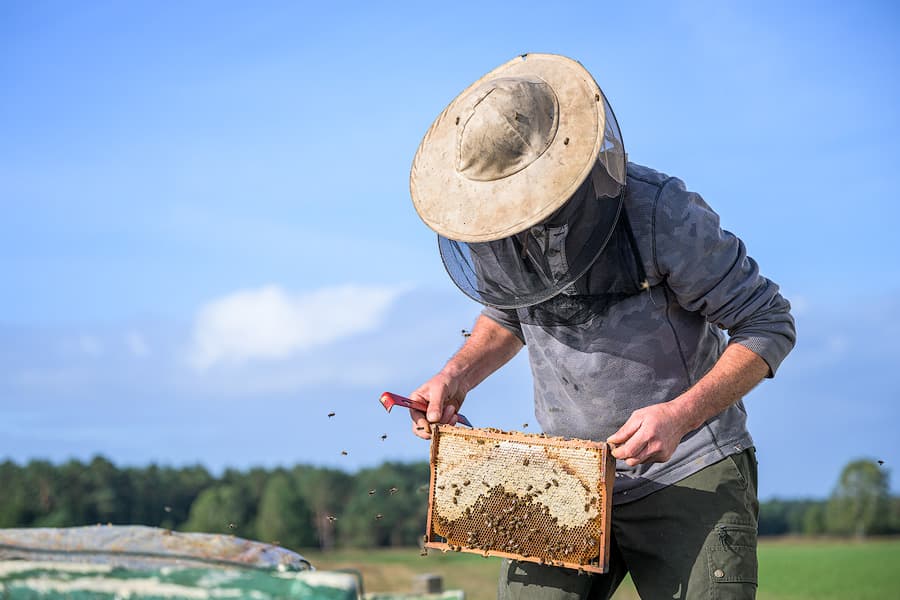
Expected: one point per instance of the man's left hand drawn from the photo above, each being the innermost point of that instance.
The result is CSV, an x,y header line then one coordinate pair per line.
x,y
650,434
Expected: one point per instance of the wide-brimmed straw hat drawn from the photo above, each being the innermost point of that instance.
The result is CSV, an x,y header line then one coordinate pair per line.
x,y
510,150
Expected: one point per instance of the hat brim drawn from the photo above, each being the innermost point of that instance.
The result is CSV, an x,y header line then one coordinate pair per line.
x,y
466,210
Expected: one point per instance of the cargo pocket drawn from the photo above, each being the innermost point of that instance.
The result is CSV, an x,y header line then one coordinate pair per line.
x,y
731,557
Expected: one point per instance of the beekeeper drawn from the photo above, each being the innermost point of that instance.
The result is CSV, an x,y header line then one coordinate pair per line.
x,y
622,285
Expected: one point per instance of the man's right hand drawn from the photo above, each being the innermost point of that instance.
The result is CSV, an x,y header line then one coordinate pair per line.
x,y
444,395
488,347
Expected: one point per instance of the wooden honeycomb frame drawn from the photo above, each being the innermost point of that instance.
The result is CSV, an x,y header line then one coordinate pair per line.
x,y
528,497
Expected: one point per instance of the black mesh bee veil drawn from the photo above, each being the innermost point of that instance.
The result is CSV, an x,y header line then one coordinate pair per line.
x,y
536,264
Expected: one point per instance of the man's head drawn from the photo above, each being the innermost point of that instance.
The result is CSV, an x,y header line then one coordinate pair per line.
x,y
503,162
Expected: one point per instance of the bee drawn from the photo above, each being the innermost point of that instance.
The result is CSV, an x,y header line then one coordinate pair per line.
x,y
525,462
383,437
331,414
420,429
392,490
547,485
455,500
231,526
465,333
379,516
524,425
344,453
167,508
466,482
331,518
424,552
880,462
555,482
371,492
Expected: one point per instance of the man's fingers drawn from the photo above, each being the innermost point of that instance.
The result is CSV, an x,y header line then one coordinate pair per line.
x,y
633,458
448,414
625,431
420,424
624,438
435,407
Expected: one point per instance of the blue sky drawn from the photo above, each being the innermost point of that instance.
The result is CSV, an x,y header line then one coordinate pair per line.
x,y
208,244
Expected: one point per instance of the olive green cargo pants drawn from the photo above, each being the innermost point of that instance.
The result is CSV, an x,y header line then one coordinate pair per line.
x,y
694,539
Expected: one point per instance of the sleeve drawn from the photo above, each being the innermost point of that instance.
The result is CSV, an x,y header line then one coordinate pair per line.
x,y
709,271
506,318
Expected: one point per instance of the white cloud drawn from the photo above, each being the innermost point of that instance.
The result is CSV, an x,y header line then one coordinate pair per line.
x,y
90,345
268,323
137,344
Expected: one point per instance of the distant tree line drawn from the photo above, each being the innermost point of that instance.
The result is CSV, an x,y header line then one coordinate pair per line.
x,y
860,505
305,507
301,507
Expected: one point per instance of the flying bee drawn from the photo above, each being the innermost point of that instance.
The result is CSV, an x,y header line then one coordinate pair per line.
x,y
344,453
379,516
371,492
392,490
331,518
383,437
465,333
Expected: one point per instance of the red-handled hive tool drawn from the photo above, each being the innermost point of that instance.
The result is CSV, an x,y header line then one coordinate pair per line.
x,y
389,400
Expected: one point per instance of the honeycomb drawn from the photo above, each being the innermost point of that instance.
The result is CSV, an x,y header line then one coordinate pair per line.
x,y
523,496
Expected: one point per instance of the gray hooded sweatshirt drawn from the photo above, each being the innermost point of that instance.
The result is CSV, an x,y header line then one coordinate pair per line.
x,y
645,323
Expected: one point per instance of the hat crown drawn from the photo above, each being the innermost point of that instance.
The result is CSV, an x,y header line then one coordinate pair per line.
x,y
511,123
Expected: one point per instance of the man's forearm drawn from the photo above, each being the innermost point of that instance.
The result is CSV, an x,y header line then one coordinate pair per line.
x,y
652,433
736,372
488,348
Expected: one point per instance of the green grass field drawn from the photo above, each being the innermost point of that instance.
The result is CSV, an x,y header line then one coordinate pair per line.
x,y
790,569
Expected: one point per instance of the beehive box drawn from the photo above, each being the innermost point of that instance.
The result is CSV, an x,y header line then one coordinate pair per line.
x,y
523,496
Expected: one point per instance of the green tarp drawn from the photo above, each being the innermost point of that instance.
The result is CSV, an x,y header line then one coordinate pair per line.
x,y
145,563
